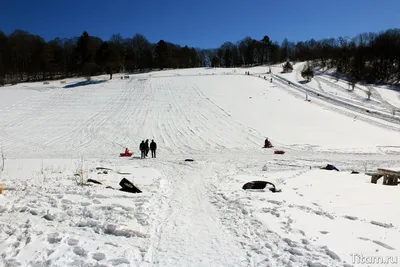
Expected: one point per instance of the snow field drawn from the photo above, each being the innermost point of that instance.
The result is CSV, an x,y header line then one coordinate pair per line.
x,y
190,213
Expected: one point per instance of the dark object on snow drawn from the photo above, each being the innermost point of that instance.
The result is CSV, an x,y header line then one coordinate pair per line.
x,y
105,172
93,181
146,147
260,185
279,152
127,186
189,159
267,143
102,168
142,150
330,167
153,148
127,153
109,187
354,172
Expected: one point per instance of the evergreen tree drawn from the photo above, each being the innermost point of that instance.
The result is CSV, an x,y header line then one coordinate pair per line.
x,y
307,72
162,54
287,67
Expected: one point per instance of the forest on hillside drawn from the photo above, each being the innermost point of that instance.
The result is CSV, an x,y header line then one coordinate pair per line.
x,y
367,57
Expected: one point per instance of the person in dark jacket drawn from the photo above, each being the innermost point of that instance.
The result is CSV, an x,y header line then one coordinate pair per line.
x,y
153,148
142,150
146,147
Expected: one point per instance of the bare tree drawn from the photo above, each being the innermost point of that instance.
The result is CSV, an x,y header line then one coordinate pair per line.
x,y
352,84
79,175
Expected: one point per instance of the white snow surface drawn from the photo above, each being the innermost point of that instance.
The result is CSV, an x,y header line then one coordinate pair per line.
x,y
194,213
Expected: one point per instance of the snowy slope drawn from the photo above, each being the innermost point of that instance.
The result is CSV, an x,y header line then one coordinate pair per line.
x,y
339,90
391,96
190,213
11,96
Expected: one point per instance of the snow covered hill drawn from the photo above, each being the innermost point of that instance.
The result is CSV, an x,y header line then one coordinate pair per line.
x,y
193,213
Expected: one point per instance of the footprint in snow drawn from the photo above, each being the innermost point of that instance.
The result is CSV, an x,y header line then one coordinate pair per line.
x,y
332,254
295,251
98,256
119,261
73,242
34,212
276,202
80,251
53,238
353,218
12,263
383,244
381,224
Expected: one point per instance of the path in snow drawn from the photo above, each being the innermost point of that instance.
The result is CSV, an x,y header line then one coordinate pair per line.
x,y
191,233
199,223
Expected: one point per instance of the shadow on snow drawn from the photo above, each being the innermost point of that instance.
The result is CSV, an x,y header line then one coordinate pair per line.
x,y
83,83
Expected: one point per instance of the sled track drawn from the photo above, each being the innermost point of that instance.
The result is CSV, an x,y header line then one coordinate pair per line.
x,y
88,120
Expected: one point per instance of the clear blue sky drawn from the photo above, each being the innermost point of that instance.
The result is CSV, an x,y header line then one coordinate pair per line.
x,y
202,23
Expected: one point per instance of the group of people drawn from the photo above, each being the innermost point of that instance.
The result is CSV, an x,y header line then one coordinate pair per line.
x,y
145,148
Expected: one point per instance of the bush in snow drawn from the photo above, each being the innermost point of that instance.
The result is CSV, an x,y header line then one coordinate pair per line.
x,y
307,72
287,67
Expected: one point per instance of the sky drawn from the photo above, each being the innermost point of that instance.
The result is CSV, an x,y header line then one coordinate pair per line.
x,y
201,24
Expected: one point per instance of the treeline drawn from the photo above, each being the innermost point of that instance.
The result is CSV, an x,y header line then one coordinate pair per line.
x,y
27,57
369,57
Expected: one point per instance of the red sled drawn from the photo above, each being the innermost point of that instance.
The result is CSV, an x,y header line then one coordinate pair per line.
x,y
126,154
280,152
129,154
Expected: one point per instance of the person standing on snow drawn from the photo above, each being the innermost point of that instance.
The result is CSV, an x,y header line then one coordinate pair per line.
x,y
146,147
153,148
142,149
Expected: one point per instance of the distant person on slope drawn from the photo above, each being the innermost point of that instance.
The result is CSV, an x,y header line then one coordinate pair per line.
x,y
153,148
267,143
142,149
146,147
